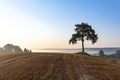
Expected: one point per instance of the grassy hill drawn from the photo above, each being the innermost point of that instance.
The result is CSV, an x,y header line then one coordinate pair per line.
x,y
48,66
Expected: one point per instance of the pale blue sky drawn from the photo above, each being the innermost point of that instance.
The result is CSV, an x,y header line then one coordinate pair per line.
x,y
50,23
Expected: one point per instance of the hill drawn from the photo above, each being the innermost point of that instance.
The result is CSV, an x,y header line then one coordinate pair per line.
x,y
48,66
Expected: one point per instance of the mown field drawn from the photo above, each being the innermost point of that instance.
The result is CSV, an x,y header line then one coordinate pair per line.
x,y
48,66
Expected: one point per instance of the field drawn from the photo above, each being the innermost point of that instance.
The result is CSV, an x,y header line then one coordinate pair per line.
x,y
48,66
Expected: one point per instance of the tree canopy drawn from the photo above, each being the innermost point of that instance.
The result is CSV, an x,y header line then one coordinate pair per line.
x,y
83,32
10,48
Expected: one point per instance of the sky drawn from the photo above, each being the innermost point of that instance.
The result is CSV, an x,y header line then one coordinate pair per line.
x,y
38,24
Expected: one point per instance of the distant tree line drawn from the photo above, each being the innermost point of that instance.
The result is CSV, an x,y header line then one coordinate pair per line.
x,y
115,55
10,48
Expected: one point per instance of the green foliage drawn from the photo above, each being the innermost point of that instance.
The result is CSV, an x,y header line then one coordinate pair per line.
x,y
83,31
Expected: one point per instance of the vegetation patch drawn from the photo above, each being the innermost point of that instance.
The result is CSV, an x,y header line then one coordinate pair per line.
x,y
83,53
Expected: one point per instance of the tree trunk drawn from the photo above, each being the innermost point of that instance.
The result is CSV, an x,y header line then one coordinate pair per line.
x,y
83,45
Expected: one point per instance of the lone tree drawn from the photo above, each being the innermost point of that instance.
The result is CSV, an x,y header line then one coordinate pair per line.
x,y
83,31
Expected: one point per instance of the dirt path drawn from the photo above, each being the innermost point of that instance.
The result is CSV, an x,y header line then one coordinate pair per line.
x,y
78,71
59,71
48,67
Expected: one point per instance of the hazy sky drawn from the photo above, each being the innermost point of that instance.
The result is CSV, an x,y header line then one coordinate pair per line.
x,y
50,23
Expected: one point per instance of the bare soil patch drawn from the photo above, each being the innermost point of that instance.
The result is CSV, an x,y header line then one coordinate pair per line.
x,y
38,66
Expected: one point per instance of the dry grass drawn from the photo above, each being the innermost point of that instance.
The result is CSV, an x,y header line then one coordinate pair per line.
x,y
55,66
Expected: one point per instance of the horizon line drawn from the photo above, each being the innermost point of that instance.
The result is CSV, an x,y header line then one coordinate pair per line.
x,y
70,48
